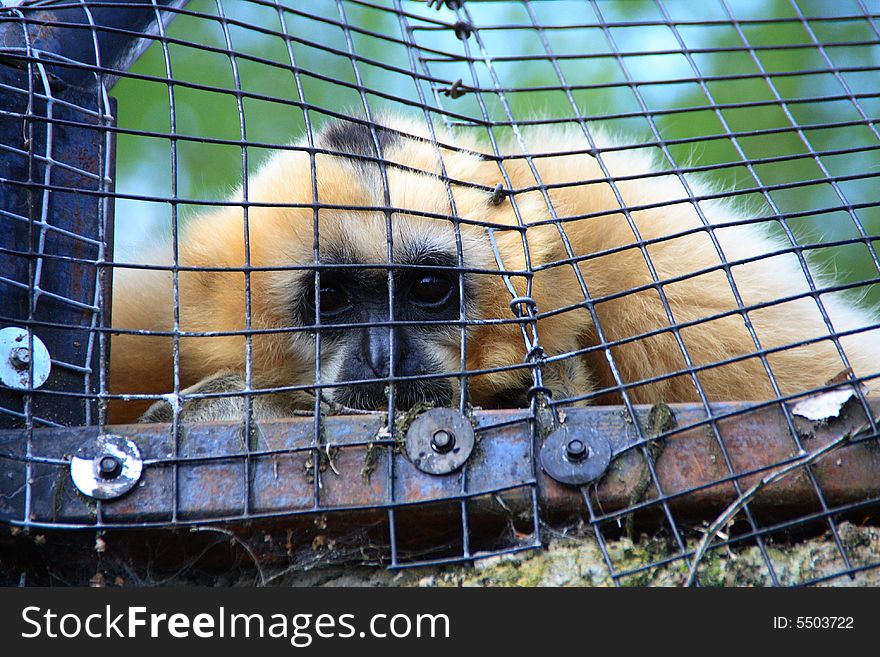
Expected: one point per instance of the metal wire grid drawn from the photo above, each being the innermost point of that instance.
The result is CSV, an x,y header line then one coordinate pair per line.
x,y
52,240
495,113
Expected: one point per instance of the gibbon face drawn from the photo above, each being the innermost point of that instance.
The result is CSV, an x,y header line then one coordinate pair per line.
x,y
390,292
359,343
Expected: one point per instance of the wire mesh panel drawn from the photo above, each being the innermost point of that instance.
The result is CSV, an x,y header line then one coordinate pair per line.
x,y
415,283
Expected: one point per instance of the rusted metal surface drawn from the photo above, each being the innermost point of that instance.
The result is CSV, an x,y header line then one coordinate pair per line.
x,y
696,481
216,480
55,210
95,36
68,267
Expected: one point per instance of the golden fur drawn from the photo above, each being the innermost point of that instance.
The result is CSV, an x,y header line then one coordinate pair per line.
x,y
283,237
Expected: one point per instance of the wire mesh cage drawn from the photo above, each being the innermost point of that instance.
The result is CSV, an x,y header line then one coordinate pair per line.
x,y
417,283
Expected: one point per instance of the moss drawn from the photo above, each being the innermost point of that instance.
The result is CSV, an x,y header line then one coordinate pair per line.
x,y
713,571
578,561
660,420
326,456
371,458
545,419
58,494
403,420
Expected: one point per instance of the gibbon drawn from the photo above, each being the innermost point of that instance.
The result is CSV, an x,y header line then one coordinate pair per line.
x,y
595,260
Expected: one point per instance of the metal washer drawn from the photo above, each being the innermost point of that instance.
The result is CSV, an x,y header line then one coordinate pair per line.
x,y
561,465
103,483
439,441
15,373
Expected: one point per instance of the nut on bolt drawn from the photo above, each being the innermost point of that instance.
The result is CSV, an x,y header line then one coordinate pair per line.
x,y
20,357
576,450
109,467
443,441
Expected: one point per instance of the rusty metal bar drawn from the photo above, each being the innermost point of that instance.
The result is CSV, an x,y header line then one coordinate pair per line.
x,y
211,458
51,245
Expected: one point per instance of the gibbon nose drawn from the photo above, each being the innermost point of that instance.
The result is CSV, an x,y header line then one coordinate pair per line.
x,y
376,350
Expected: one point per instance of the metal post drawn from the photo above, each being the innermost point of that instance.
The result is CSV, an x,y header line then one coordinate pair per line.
x,y
57,150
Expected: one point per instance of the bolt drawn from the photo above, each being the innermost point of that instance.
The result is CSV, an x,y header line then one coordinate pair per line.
x,y
442,441
462,30
20,357
455,91
576,450
498,194
109,467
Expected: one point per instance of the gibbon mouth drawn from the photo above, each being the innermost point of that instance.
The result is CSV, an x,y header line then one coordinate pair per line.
x,y
373,395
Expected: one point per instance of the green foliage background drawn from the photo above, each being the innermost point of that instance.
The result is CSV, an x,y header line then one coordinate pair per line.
x,y
781,58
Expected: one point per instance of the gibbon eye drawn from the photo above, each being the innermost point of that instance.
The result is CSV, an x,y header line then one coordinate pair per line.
x,y
333,300
431,290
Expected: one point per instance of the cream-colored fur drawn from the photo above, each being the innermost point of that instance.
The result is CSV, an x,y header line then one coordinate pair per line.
x,y
281,237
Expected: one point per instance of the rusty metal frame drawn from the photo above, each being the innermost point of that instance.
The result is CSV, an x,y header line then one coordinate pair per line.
x,y
212,457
